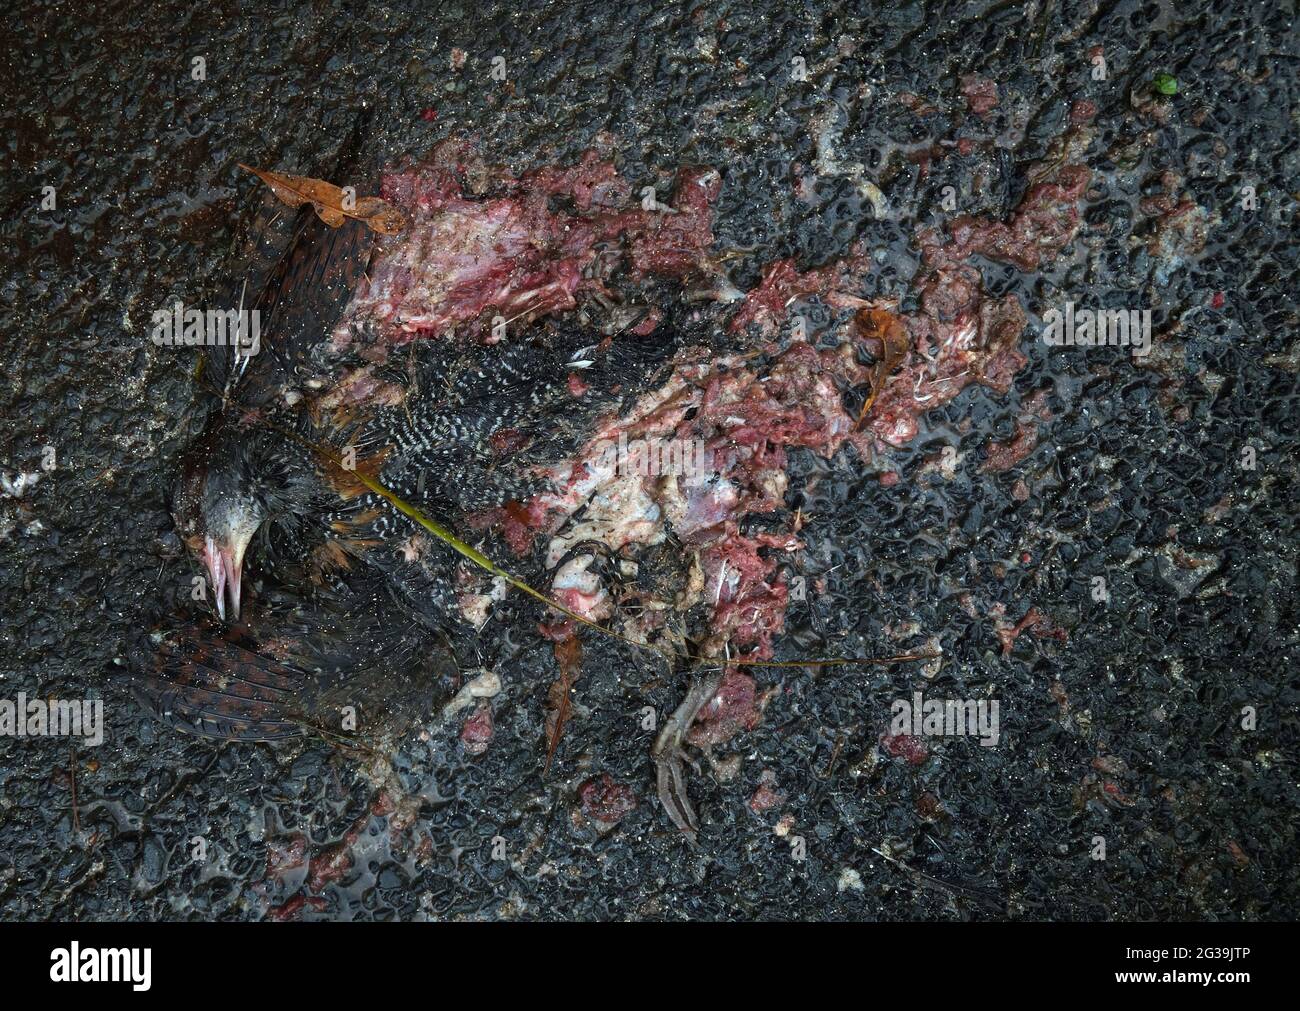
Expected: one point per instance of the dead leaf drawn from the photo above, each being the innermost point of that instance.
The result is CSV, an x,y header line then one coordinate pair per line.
x,y
568,652
883,326
380,215
330,202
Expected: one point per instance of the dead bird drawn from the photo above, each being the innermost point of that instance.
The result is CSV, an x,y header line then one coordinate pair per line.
x,y
384,367
495,436
455,430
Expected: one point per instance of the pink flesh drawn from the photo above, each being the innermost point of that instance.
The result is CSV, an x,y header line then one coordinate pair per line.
x,y
517,256
515,253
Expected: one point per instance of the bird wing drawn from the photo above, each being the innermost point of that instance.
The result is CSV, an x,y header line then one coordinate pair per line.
x,y
298,306
293,667
213,681
298,274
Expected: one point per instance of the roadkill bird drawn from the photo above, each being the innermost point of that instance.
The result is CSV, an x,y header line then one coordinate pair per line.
x,y
378,384
356,599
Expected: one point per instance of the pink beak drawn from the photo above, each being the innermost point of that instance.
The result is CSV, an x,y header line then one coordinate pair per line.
x,y
225,571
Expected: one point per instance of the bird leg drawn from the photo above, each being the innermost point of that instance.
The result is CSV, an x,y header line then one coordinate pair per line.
x,y
670,757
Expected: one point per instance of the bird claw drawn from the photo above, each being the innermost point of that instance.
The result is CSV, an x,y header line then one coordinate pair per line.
x,y
670,757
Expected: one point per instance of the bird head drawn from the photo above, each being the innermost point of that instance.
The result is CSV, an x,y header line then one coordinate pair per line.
x,y
219,504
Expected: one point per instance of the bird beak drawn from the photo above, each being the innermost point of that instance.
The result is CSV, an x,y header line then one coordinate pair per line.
x,y
224,568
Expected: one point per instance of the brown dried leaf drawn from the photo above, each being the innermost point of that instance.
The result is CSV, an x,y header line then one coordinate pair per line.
x,y
882,326
329,203
380,215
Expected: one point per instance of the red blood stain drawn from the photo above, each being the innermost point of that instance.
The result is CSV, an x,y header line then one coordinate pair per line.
x,y
331,864
1084,110
282,857
734,708
476,734
767,796
980,93
605,800
292,909
1002,456
906,746
507,440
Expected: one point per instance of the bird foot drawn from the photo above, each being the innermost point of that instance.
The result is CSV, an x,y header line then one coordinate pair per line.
x,y
671,759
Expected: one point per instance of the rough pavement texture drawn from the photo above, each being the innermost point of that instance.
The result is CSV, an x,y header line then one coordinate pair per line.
x,y
1119,719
